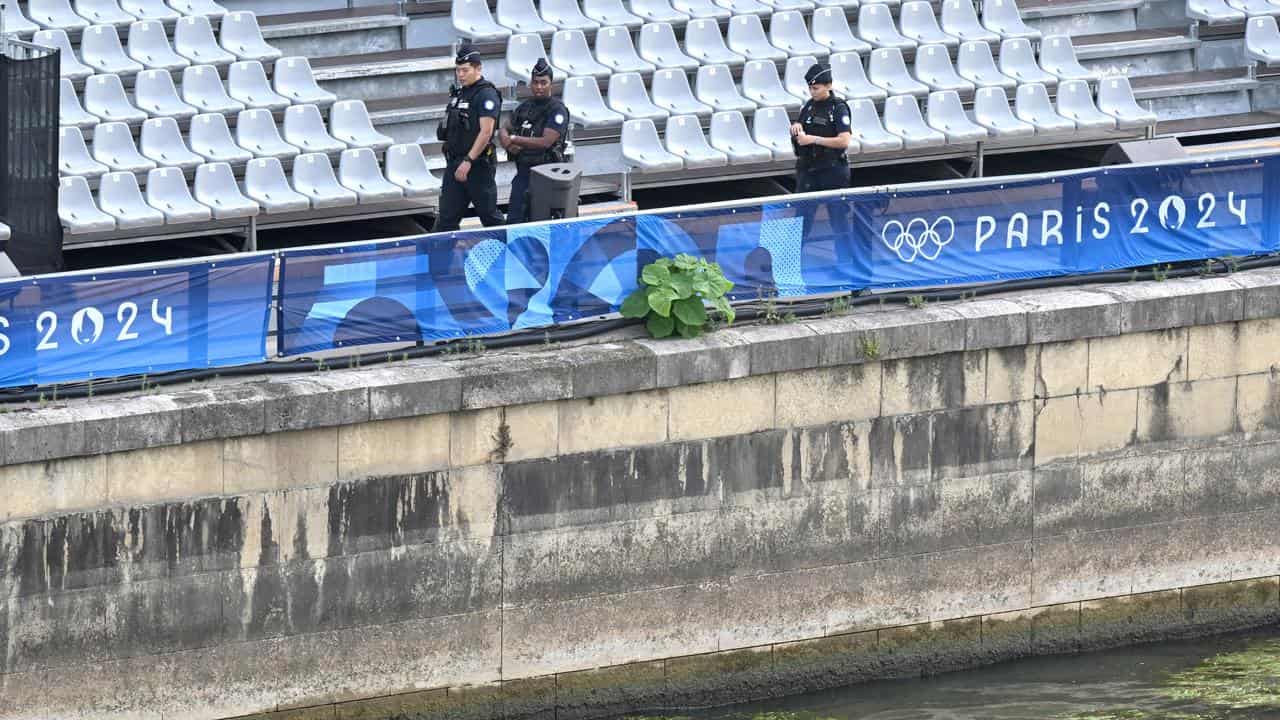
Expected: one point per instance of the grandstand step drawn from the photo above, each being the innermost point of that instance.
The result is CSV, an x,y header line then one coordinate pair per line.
x,y
390,74
1199,94
1076,17
330,33
1137,52
1239,122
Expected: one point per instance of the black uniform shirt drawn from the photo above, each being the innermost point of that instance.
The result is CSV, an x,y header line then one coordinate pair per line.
x,y
823,118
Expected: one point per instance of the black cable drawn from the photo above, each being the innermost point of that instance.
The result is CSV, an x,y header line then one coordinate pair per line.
x,y
764,308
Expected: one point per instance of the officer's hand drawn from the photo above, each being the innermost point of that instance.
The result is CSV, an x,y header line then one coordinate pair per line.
x,y
796,129
460,174
803,139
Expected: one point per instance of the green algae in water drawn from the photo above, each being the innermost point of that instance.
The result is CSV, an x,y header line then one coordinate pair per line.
x,y
1249,678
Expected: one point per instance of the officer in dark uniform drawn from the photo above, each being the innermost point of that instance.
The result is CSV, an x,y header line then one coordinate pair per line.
x,y
470,120
536,136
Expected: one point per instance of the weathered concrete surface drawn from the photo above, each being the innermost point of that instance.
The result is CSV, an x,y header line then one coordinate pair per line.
x,y
576,532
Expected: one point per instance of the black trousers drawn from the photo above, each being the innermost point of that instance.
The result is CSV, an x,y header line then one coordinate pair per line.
x,y
480,190
518,207
838,227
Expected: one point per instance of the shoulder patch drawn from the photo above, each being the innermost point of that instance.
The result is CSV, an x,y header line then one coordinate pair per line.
x,y
844,119
488,104
559,118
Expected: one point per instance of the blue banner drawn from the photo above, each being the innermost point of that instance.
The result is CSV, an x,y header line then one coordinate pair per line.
x,y
78,326
496,280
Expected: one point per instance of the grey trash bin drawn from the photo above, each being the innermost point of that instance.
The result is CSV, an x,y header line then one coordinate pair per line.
x,y
553,191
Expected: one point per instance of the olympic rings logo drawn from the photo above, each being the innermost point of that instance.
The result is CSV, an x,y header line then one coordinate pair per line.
x,y
918,238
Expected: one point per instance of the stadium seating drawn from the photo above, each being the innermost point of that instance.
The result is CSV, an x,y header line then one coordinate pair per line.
x,y
16,22
771,129
787,31
304,127
1032,105
571,55
256,132
149,45
293,79
522,17
876,26
658,45
704,43
730,136
155,10
74,157
686,141
933,68
887,69
102,12
566,15
104,96
627,96
471,19
1075,103
265,183
69,62
831,28
643,151
1115,98
902,118
349,122
960,20
615,50
701,9
210,138
747,38
714,86
215,187
976,64
55,14
313,178
762,85
946,115
167,192
659,11
672,93
101,50
247,83
358,171
78,211
868,131
120,197
156,95
919,24
586,104
70,111
193,39
611,13
406,168
161,141
202,88
991,110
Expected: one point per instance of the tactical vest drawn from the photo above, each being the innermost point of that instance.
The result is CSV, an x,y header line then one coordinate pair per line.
x,y
462,121
529,121
818,118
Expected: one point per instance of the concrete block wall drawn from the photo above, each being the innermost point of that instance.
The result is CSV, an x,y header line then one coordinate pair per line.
x,y
584,531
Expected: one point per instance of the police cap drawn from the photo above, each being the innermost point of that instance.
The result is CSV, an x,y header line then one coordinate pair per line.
x,y
819,74
541,69
467,55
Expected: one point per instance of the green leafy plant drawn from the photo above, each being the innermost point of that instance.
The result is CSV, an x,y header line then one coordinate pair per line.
x,y
673,296
870,347
916,301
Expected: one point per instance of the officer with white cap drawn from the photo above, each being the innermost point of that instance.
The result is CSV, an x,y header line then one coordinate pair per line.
x,y
467,134
536,136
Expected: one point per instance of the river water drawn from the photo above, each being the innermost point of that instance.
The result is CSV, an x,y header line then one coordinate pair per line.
x,y
1234,677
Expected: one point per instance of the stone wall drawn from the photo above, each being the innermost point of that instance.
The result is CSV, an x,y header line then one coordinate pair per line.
x,y
570,532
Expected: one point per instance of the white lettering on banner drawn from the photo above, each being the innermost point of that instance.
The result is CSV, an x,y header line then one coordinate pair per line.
x,y
921,238
88,324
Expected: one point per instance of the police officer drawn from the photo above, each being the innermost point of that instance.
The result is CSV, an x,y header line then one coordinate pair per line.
x,y
467,132
536,136
821,135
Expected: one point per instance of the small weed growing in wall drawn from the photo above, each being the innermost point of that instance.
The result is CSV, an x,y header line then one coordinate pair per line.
x,y
916,301
870,347
674,293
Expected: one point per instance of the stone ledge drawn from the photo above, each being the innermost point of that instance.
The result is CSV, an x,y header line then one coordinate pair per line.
x,y
536,374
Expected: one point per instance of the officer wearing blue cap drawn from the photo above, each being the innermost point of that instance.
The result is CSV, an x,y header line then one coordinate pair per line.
x,y
467,134
535,136
821,135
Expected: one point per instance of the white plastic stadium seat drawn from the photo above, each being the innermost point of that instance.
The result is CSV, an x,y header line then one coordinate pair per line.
x,y
304,127
241,36
206,8
991,110
1018,61
961,20
793,76
887,69
313,177
70,112
571,55
113,146
1075,102
702,41
643,151
771,129
586,104
788,31
156,95
471,19
265,183
292,78
150,10
1256,7
69,65
161,141
875,25
104,96
729,135
747,38
73,155
611,13
202,87
1002,18
1032,105
714,86
762,85
1214,12
407,168
671,92
615,50
902,118
77,210
976,64
658,45
210,138
256,132
149,45
850,4
566,15
627,96
358,172
1262,39
102,12
193,39
945,114
701,9
55,14
522,17
867,130
849,79
523,52
119,197
745,7
215,187
659,11
16,22
247,83
101,50
933,68
784,5
831,28
1115,98
919,24
1058,57
167,192
349,122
